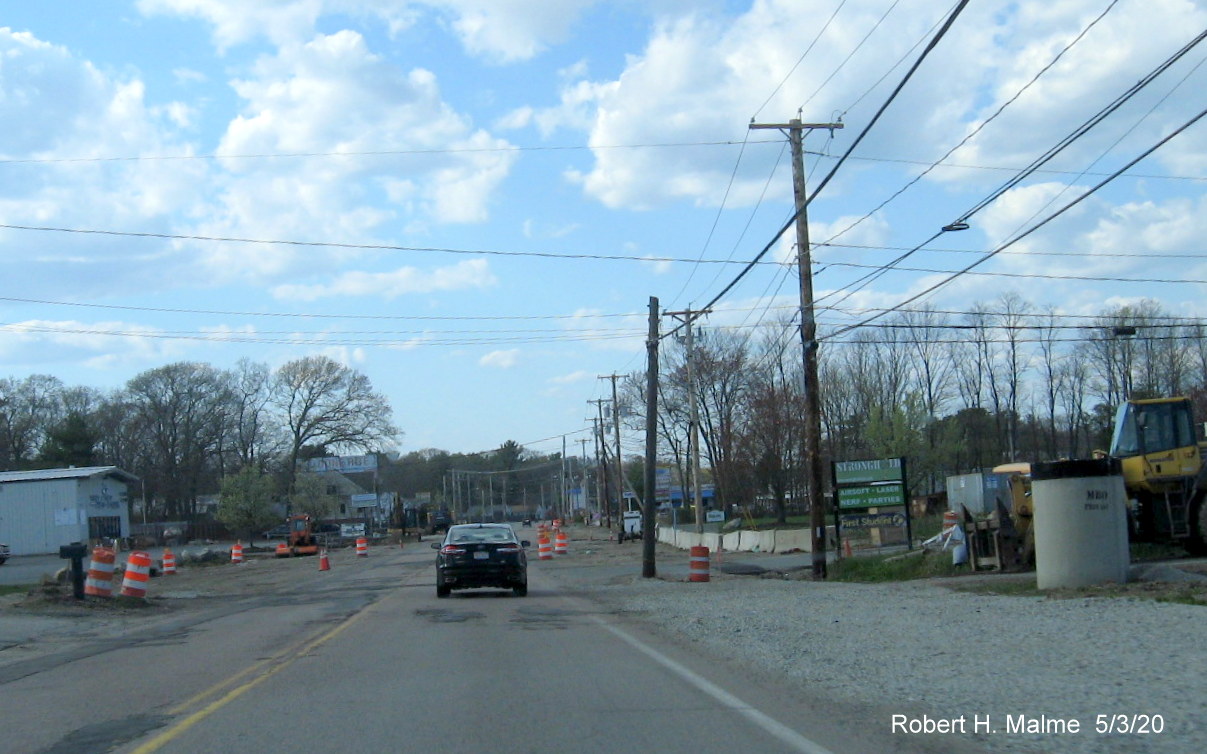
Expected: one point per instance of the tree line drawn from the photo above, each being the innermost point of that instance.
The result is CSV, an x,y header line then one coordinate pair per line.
x,y
952,392
185,427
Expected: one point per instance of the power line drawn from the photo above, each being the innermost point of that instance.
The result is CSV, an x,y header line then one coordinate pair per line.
x,y
371,153
1089,192
867,128
1022,275
979,127
1030,252
362,246
801,59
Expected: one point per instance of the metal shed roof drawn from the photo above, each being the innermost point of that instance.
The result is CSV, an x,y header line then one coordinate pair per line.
x,y
82,472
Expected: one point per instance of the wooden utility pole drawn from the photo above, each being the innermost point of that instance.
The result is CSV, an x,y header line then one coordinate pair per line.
x,y
650,503
601,473
586,500
688,316
619,460
814,483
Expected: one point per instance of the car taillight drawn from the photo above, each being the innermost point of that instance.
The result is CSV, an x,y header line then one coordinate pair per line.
x,y
452,550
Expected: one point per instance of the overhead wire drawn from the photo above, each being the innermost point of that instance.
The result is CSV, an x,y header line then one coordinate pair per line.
x,y
955,13
977,130
1089,192
851,54
817,37
851,288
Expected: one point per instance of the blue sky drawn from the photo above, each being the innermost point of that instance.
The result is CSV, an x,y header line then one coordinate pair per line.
x,y
447,172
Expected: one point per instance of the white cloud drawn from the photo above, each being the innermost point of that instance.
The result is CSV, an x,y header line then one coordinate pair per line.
x,y
280,21
572,378
57,106
333,95
501,359
698,72
502,31
405,280
511,30
102,344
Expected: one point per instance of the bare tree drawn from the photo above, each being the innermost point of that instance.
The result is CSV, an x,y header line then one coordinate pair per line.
x,y
28,408
180,411
251,436
326,404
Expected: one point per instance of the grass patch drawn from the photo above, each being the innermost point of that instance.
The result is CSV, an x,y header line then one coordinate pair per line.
x,y
15,588
919,564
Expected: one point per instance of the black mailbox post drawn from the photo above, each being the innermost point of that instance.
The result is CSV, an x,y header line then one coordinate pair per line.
x,y
75,552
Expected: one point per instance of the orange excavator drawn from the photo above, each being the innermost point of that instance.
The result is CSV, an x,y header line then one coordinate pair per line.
x,y
302,539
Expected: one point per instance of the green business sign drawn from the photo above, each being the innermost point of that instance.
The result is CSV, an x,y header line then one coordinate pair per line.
x,y
866,472
871,496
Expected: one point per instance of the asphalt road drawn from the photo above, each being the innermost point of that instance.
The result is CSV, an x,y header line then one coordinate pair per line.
x,y
279,656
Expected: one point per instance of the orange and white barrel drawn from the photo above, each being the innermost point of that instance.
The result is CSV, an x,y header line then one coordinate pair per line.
x,y
237,552
282,550
562,545
99,581
950,521
169,562
362,547
138,570
544,548
557,523
699,564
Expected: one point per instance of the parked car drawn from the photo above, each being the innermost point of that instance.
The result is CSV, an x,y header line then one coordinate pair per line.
x,y
481,555
4,552
280,531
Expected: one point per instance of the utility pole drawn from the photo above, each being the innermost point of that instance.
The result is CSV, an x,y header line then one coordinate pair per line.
x,y
648,568
586,499
688,316
599,454
808,336
619,461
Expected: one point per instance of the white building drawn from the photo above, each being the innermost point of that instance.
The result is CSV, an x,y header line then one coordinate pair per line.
x,y
41,510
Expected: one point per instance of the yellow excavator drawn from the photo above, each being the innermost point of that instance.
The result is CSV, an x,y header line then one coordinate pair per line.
x,y
1163,471
1162,462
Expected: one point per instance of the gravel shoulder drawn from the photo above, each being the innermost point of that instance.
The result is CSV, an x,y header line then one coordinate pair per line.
x,y
938,650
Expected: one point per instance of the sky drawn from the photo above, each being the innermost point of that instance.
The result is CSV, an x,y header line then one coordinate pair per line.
x,y
472,201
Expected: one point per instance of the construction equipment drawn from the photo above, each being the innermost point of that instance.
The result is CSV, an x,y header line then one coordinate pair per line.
x,y
1161,459
1163,469
302,537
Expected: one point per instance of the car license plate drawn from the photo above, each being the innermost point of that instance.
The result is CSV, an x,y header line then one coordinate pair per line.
x,y
481,555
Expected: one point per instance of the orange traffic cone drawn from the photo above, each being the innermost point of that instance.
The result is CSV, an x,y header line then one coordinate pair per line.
x,y
324,561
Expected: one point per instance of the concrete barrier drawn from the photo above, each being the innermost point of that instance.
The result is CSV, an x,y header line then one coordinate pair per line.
x,y
773,540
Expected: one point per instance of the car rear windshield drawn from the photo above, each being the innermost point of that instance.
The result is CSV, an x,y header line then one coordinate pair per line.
x,y
470,536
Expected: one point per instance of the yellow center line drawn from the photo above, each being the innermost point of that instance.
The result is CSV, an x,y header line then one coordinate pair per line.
x,y
188,722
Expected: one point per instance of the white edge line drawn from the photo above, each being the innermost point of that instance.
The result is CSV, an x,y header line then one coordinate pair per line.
x,y
770,725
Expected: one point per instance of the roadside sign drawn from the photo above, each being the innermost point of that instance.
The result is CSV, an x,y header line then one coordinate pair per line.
x,y
870,520
864,472
715,517
871,496
864,486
